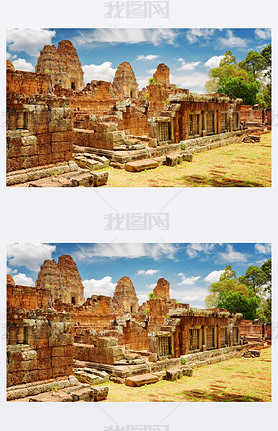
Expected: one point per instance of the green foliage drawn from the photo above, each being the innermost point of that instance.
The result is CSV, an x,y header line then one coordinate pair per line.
x,y
157,82
151,295
237,87
183,146
158,297
255,278
47,71
151,81
147,310
237,302
147,96
246,79
183,361
47,285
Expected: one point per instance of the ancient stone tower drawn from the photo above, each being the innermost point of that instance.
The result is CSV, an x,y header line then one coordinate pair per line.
x,y
62,64
162,289
124,82
162,74
63,279
125,296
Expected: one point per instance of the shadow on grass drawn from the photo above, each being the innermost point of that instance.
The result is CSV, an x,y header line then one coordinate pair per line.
x,y
217,182
217,397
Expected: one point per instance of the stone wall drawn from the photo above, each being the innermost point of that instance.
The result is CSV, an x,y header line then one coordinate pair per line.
x,y
39,346
39,131
27,83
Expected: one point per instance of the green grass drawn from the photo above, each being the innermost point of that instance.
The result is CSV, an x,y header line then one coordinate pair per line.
x,y
237,165
236,380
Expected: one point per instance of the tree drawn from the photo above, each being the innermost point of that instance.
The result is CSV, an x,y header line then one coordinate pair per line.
x,y
254,63
237,87
255,278
266,53
237,302
230,293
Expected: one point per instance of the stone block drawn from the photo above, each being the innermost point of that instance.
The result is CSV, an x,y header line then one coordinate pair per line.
x,y
100,393
174,374
172,160
141,165
187,371
152,357
187,156
141,380
85,179
100,178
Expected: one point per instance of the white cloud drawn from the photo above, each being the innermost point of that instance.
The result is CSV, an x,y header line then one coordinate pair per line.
x,y
151,71
104,286
193,250
104,72
194,34
147,272
188,66
29,40
193,297
29,255
143,82
143,297
231,255
23,280
154,36
231,41
263,33
214,61
21,64
195,80
214,276
188,280
148,57
151,286
263,248
10,56
129,251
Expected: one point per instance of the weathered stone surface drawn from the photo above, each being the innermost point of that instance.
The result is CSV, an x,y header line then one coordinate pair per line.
x,y
172,160
174,374
124,297
162,289
152,357
141,165
100,393
141,380
124,82
62,64
10,66
63,280
10,280
160,374
187,371
85,179
187,156
100,178
162,74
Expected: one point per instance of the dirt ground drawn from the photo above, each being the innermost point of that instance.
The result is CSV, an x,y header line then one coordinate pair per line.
x,y
237,165
235,380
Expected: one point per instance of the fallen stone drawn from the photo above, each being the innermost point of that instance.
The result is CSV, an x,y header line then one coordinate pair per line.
x,y
87,378
100,393
174,374
82,394
141,165
160,374
100,178
117,165
160,159
119,380
172,160
187,371
141,380
85,179
255,352
187,156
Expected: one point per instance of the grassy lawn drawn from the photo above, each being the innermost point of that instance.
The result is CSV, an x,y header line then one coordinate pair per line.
x,y
236,165
238,379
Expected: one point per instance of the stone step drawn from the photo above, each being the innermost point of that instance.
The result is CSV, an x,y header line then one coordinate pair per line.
x,y
141,165
141,380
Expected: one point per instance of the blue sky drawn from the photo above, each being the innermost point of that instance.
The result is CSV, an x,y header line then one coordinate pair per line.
x,y
189,53
189,268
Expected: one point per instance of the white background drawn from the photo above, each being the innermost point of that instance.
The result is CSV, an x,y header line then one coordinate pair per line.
x,y
77,215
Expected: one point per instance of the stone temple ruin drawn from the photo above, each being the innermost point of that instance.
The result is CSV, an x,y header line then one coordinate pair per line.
x,y
60,347
63,133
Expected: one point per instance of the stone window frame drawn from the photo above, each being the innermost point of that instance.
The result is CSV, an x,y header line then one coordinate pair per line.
x,y
214,337
200,125
226,129
214,132
171,128
200,341
171,343
226,336
236,123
